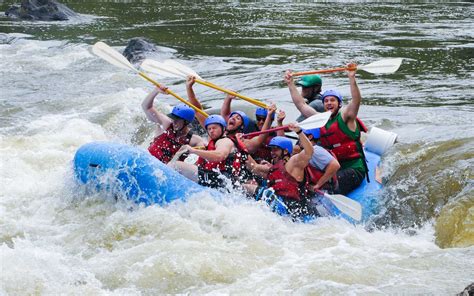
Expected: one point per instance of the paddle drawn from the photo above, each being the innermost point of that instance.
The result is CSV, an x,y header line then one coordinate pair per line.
x,y
345,204
112,56
384,66
315,121
172,68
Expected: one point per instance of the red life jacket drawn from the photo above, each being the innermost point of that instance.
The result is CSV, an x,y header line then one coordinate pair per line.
x,y
314,174
165,146
284,184
336,141
263,152
232,165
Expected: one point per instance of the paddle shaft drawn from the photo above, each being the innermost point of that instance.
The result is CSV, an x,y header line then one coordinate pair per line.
x,y
340,69
174,94
233,93
265,131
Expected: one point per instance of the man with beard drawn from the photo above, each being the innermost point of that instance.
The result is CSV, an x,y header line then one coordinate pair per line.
x,y
172,129
341,134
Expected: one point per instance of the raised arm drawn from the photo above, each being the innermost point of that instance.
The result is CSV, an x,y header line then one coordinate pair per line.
x,y
225,108
349,113
255,143
151,113
193,100
298,162
280,117
297,98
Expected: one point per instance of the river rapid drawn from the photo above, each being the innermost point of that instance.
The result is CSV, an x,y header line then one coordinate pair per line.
x,y
55,96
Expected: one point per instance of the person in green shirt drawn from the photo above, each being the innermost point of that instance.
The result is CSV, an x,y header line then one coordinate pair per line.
x,y
341,134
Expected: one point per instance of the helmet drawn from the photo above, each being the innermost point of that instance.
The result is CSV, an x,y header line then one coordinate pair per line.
x,y
281,142
332,93
215,119
263,112
314,131
310,80
244,117
182,111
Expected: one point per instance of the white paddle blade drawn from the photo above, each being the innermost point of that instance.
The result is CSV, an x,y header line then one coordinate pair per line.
x,y
112,56
160,69
315,121
346,205
383,66
182,68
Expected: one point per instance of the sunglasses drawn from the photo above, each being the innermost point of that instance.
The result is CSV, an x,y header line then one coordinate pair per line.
x,y
260,118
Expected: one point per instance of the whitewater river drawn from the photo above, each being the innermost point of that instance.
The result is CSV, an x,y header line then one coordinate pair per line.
x,y
55,96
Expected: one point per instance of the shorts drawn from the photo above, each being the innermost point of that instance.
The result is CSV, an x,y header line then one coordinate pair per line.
x,y
349,179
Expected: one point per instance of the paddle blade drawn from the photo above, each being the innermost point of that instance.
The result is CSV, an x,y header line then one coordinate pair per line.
x,y
346,205
182,68
159,68
112,56
382,66
315,121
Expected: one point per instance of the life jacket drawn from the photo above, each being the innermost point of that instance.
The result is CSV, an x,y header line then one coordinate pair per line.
x,y
342,145
263,152
314,174
165,146
284,184
232,165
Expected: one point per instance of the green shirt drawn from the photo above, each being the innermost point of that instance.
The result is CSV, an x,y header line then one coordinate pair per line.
x,y
357,164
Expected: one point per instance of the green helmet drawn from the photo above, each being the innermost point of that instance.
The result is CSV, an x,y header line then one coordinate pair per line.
x,y
310,80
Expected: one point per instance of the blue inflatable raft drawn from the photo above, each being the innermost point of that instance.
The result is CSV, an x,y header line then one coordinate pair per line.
x,y
132,172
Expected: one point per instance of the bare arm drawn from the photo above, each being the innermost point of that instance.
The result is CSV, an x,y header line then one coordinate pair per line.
x,y
330,170
225,109
298,162
193,100
151,113
197,141
297,98
223,149
257,169
349,113
255,143
281,116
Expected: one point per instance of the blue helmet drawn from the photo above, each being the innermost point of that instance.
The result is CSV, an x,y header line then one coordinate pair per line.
x,y
215,119
182,111
281,142
263,112
316,132
332,93
244,117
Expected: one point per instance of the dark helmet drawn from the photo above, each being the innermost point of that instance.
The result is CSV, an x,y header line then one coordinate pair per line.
x,y
244,117
215,119
263,112
281,142
333,93
316,132
182,111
